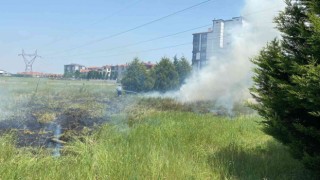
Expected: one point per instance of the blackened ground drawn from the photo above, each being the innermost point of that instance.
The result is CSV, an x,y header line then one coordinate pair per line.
x,y
30,132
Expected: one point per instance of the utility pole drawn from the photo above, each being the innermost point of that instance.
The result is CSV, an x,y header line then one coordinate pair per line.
x,y
29,62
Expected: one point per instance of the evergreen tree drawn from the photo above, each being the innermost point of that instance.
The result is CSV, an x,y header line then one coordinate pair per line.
x,y
114,75
100,76
175,61
89,75
77,74
183,69
166,76
136,77
287,82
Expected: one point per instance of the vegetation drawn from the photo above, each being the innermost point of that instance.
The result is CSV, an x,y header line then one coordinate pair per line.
x,y
114,75
164,76
137,78
149,139
95,75
183,68
89,75
287,82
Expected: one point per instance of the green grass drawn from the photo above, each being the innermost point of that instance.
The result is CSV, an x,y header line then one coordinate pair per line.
x,y
147,143
166,145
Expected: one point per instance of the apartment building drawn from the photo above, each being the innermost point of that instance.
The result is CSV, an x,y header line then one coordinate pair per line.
x,y
215,42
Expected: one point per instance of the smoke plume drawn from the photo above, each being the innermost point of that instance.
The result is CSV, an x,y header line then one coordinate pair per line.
x,y
227,78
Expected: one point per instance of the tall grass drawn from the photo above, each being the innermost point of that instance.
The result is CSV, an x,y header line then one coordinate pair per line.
x,y
168,145
153,139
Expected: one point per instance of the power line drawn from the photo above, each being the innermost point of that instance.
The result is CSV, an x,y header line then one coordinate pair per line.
x,y
161,37
140,42
132,29
153,39
92,24
148,50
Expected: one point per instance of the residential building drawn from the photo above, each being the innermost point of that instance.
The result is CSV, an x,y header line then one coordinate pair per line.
x,y
4,73
72,68
117,71
84,71
215,42
95,68
107,70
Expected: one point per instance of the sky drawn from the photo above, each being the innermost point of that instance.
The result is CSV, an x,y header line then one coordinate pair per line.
x,y
91,33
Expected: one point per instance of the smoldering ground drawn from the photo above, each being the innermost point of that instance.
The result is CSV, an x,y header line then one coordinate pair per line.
x,y
55,114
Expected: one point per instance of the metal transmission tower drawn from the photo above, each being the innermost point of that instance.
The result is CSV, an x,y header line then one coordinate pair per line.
x,y
29,62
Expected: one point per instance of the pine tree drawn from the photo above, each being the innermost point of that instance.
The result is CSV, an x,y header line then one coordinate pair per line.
x,y
166,76
287,82
137,78
183,69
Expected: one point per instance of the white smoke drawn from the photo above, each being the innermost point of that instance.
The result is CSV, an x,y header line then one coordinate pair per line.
x,y
226,79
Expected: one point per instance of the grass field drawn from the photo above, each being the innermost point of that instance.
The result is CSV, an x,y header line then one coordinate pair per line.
x,y
139,141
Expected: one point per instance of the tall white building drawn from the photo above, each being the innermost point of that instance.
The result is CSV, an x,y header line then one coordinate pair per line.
x,y
214,42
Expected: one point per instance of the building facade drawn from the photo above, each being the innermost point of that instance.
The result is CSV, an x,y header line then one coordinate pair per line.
x,y
4,73
72,68
215,42
118,71
107,71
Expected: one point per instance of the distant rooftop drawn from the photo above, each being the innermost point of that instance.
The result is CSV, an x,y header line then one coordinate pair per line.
x,y
234,18
209,31
219,20
73,64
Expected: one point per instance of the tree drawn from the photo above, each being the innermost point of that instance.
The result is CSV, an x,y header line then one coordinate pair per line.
x,y
287,82
113,75
100,76
77,74
175,61
183,69
89,75
136,77
166,76
68,75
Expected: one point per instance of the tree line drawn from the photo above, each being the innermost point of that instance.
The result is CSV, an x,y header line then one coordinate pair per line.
x,y
164,76
92,75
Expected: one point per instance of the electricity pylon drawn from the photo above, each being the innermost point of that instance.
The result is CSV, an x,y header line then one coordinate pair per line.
x,y
29,62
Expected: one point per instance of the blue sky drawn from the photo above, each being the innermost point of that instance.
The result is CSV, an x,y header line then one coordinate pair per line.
x,y
55,28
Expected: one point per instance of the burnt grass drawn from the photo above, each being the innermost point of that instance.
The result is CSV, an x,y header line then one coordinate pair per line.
x,y
73,116
72,122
